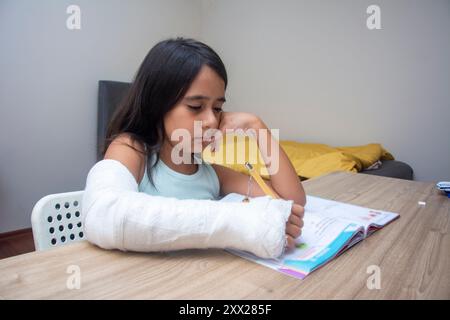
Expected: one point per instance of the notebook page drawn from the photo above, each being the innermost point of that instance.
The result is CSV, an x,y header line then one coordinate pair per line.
x,y
362,216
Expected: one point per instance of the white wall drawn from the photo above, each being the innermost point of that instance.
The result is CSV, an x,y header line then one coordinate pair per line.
x,y
48,87
311,68
315,71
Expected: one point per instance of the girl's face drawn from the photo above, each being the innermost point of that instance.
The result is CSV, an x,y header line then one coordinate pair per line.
x,y
202,102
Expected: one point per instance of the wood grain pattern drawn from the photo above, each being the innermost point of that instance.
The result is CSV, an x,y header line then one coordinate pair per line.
x,y
412,253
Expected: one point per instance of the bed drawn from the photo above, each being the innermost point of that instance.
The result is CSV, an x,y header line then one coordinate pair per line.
x,y
110,94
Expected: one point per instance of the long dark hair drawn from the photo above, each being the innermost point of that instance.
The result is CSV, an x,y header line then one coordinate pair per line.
x,y
160,82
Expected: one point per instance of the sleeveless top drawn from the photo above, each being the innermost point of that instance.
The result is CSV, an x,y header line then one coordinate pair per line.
x,y
203,184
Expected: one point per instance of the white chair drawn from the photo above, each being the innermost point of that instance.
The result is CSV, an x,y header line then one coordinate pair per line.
x,y
56,220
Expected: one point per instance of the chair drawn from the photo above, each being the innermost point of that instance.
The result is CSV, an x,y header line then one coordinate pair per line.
x,y
110,94
56,220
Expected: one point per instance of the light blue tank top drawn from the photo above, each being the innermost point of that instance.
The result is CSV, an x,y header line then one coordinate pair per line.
x,y
203,184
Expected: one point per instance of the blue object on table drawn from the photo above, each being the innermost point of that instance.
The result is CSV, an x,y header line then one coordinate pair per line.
x,y
444,186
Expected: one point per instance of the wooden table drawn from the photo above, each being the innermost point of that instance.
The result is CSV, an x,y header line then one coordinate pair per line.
x,y
413,254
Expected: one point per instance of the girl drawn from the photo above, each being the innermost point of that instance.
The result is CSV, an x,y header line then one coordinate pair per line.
x,y
182,82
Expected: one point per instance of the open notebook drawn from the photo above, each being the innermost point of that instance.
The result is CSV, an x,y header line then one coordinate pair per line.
x,y
330,228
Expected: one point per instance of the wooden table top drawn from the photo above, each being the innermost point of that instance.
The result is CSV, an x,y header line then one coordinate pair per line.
x,y
413,254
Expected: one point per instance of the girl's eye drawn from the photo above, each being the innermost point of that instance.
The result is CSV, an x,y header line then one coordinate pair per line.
x,y
197,108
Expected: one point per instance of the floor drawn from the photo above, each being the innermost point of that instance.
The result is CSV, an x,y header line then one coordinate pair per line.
x,y
15,243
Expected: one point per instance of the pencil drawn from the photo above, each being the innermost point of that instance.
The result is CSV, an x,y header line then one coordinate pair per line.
x,y
254,173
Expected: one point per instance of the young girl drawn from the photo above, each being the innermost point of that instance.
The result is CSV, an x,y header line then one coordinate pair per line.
x,y
182,82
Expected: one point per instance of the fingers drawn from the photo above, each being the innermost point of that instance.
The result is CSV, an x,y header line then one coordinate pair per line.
x,y
298,210
295,220
294,225
293,230
290,242
223,122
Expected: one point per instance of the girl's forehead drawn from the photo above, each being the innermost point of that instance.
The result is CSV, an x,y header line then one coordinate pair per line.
x,y
207,80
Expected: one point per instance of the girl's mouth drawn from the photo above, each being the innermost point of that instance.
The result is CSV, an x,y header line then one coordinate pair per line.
x,y
205,142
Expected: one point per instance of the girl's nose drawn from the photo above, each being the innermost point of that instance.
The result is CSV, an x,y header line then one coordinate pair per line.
x,y
210,119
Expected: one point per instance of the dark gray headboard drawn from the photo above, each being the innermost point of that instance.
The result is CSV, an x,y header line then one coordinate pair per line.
x,y
110,94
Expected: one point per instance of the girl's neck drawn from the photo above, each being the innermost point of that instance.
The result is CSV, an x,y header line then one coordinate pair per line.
x,y
184,168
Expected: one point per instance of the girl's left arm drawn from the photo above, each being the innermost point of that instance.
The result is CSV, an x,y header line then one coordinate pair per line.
x,y
283,178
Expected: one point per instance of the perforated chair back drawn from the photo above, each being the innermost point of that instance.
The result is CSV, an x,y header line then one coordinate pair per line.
x,y
56,220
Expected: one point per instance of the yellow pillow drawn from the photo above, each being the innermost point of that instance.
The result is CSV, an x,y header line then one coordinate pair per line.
x,y
233,151
309,159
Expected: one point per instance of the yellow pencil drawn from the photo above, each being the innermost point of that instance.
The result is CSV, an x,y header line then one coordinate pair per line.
x,y
254,173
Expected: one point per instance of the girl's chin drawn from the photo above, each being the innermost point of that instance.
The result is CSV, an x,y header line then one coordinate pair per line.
x,y
200,144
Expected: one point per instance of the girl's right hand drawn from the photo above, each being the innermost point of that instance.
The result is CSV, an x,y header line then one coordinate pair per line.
x,y
294,225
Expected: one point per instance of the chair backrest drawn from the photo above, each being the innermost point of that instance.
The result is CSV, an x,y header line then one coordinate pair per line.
x,y
56,220
110,94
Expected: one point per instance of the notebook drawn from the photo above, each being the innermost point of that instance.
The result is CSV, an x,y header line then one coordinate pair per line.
x,y
330,228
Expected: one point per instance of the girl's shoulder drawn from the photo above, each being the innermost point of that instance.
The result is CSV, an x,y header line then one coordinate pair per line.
x,y
130,152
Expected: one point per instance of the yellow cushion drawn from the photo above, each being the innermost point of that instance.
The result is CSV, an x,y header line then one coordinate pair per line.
x,y
309,159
